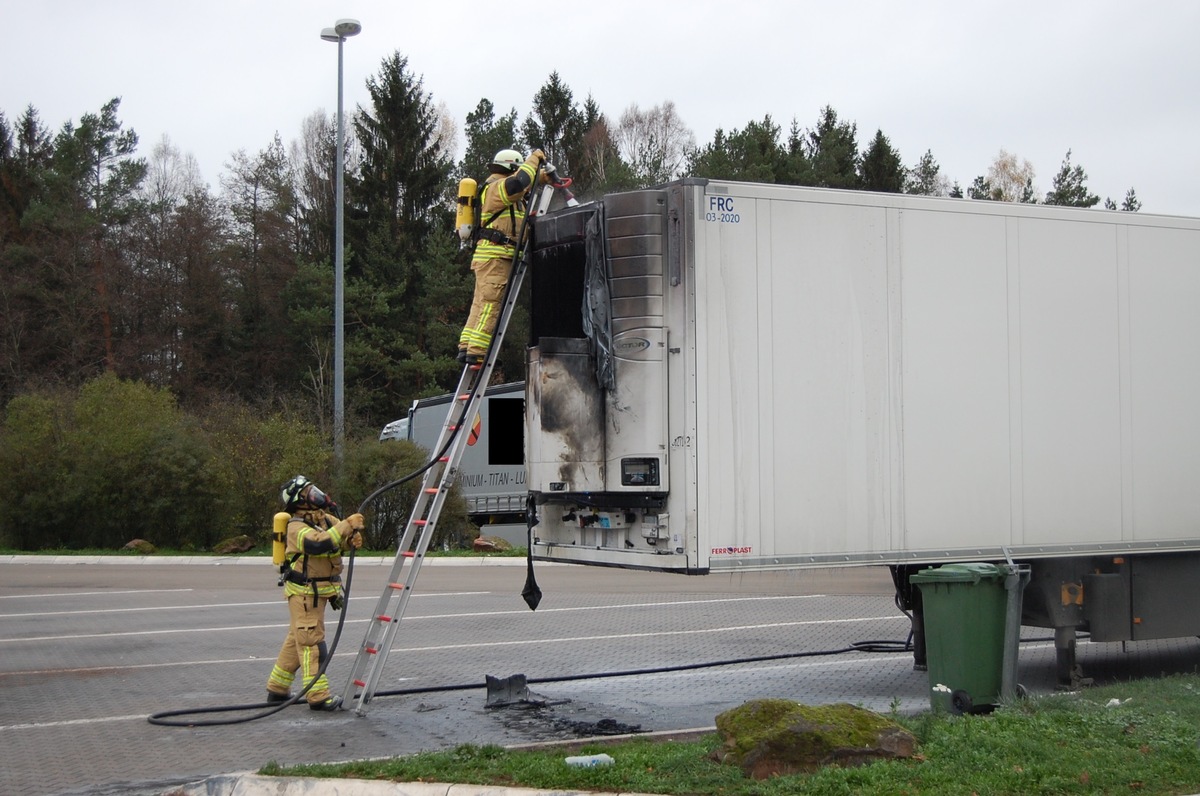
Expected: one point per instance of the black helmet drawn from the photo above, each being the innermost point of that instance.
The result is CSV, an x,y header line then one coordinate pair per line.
x,y
301,490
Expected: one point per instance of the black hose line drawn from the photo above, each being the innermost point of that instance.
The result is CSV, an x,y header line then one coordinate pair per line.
x,y
169,718
165,718
858,646
884,646
267,709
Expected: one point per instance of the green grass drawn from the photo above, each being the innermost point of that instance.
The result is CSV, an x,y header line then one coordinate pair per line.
x,y
516,552
1057,744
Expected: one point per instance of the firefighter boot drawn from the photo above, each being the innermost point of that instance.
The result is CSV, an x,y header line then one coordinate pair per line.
x,y
332,703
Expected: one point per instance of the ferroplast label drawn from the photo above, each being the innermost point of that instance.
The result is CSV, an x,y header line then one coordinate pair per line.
x,y
731,551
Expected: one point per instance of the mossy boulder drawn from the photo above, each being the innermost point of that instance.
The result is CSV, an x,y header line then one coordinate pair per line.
x,y
141,547
491,544
234,544
769,737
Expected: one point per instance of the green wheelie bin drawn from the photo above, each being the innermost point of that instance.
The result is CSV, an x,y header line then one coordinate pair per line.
x,y
967,610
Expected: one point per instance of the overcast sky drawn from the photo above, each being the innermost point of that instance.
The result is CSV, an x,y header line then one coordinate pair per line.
x,y
1117,83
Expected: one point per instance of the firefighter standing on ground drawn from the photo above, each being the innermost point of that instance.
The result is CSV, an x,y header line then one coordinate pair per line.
x,y
312,579
502,214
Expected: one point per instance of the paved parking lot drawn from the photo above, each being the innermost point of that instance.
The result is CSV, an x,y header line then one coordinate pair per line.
x,y
88,650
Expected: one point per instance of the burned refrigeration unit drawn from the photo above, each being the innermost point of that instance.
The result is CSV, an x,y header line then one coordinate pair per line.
x,y
597,380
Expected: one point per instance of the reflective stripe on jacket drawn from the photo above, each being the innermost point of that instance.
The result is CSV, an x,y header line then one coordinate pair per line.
x,y
496,201
315,553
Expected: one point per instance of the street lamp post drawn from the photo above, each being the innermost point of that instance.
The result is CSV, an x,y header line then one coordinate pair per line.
x,y
342,30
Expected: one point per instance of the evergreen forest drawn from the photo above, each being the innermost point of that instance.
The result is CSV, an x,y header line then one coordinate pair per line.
x,y
166,345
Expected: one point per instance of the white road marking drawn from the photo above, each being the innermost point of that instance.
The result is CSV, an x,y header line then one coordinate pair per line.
x,y
87,593
276,601
402,650
100,720
70,636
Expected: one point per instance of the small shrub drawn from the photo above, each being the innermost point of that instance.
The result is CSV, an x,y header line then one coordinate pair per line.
x,y
117,461
256,455
370,465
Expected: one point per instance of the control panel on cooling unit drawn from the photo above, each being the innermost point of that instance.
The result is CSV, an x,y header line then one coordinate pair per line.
x,y
639,472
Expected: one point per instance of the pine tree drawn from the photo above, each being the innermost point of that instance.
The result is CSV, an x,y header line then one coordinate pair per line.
x,y
833,150
261,199
555,125
486,135
981,188
797,166
78,230
1069,187
399,232
753,154
880,168
925,178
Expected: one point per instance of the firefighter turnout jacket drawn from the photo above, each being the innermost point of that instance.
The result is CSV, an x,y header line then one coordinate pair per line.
x,y
502,212
314,554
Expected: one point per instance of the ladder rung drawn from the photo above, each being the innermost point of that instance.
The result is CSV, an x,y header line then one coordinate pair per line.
x,y
458,416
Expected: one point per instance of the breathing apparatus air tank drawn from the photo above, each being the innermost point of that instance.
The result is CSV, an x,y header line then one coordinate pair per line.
x,y
464,219
279,538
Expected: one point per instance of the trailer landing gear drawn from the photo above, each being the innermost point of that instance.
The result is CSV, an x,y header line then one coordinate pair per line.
x,y
1068,672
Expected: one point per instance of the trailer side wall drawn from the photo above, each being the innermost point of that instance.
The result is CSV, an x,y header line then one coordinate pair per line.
x,y
868,378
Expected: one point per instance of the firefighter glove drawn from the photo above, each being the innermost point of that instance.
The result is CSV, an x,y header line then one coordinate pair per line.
x,y
347,526
337,601
536,158
349,529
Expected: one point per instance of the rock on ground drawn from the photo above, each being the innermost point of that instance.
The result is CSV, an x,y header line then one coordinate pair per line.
x,y
769,737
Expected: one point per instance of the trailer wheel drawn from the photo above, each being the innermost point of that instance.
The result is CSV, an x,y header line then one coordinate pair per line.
x,y
961,702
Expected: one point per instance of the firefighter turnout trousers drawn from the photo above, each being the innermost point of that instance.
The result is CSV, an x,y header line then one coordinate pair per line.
x,y
491,277
304,648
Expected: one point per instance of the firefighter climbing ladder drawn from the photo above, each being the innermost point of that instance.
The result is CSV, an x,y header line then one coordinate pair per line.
x,y
439,478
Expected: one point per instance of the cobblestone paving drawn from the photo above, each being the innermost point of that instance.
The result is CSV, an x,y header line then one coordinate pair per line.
x,y
87,652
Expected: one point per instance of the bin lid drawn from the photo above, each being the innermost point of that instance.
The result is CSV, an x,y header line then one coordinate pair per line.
x,y
958,573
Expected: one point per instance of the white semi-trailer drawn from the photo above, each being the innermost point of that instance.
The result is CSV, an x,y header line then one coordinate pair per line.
x,y
491,473
728,376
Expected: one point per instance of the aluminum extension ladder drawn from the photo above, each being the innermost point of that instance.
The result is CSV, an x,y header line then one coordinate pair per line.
x,y
439,478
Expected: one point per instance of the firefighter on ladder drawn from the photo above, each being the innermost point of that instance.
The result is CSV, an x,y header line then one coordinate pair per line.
x,y
502,213
311,580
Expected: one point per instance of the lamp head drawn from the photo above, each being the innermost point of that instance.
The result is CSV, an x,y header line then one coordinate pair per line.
x,y
341,30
